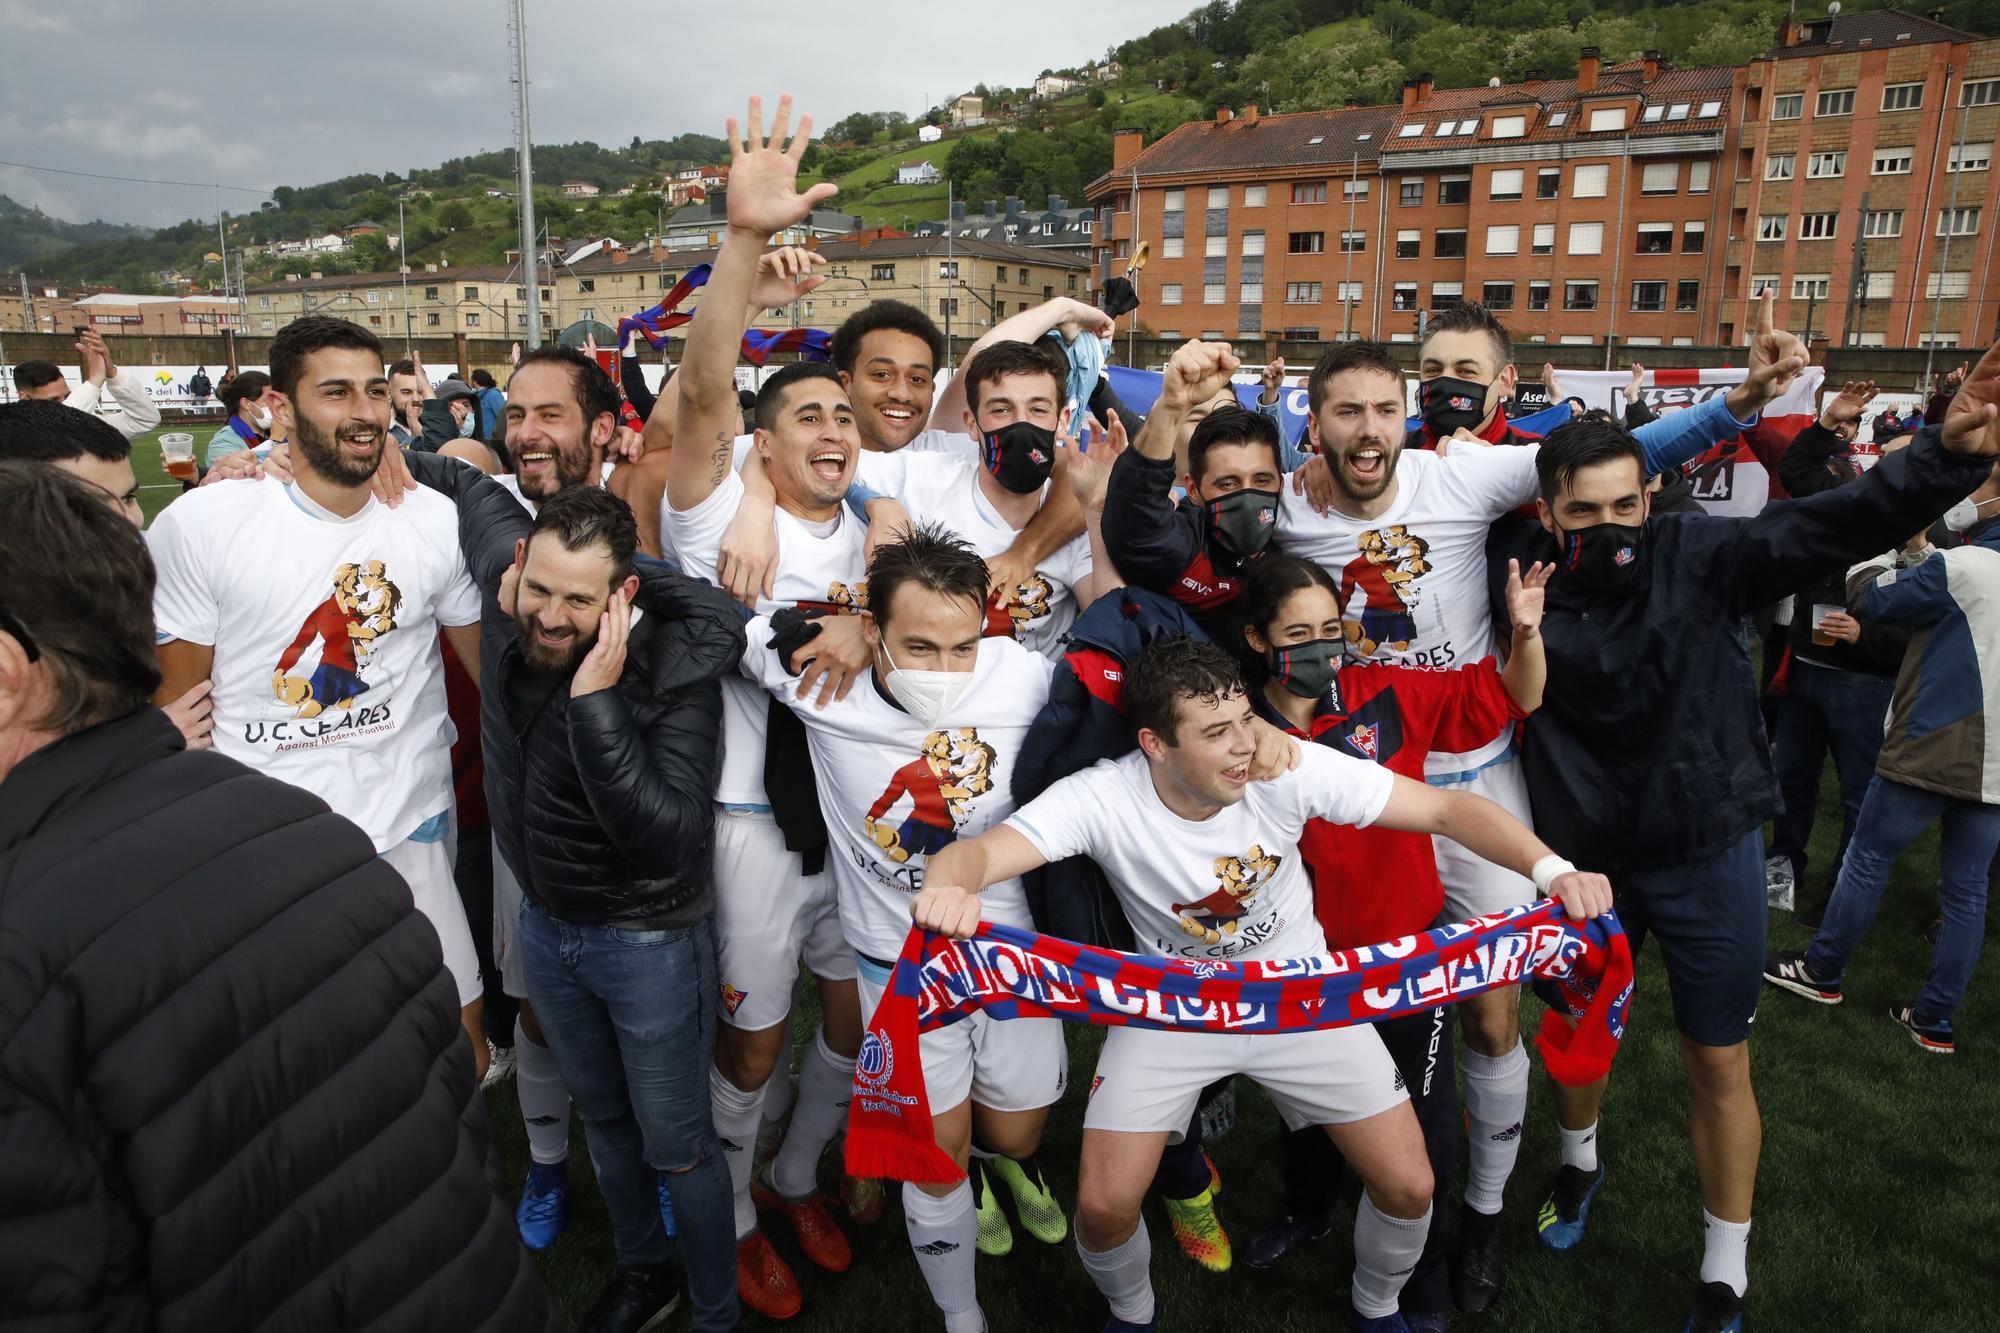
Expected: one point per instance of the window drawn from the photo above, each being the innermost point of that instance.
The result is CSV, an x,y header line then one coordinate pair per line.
x,y
947,306
1558,119
1173,247
1708,109
1839,102
1447,128
1174,201
266,325
1698,174
1409,244
1809,286
1254,195
472,293
1353,242
1497,295
1024,277
1771,227
1170,293
1446,294
1761,283
1253,244
1678,111
1302,293
1543,241
1649,296
1980,92
1970,157
1350,291
1410,190
1687,294
1308,242
1454,189
1468,127
949,270
1590,182
374,298
1308,192
1214,247
1503,240
1607,118
1538,296
1818,226
375,319
1403,296
432,320
1069,283
1506,184
1353,191
1449,243
1878,224
1218,196
1821,165
1947,285
1652,115
1250,293
1780,166
1902,96
582,285
1214,293
1509,127
1892,161
1586,238
472,319
1660,178
1788,106
1958,222
882,273
1548,182
1694,238
1879,287
1938,340
1579,296
1655,238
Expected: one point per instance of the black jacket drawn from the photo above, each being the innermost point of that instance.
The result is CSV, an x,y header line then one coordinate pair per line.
x,y
1649,749
1811,465
602,806
234,1092
1162,546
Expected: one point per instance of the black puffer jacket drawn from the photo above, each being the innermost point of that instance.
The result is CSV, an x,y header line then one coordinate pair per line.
x,y
234,1093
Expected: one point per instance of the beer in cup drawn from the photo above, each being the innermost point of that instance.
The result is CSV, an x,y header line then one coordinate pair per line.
x,y
1820,612
177,453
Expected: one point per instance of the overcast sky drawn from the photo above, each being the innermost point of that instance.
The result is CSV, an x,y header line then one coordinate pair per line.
x,y
266,94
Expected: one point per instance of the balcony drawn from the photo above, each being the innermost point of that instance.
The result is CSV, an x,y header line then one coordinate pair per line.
x,y
1120,228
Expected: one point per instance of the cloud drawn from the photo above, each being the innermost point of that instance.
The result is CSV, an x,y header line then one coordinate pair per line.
x,y
20,18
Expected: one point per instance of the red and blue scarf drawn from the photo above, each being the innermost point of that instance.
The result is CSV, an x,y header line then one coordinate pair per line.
x,y
1013,973
758,344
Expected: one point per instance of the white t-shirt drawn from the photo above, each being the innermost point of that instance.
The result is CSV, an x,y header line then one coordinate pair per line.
x,y
944,489
820,569
1415,576
347,612
955,443
893,790
1231,887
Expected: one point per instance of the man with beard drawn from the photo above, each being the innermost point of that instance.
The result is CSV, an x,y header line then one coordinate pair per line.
x,y
1649,758
1423,517
242,567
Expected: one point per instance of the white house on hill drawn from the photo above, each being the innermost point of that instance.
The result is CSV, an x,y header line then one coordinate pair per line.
x,y
916,173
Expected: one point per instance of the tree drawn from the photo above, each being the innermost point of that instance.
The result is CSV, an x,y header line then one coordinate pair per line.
x,y
455,216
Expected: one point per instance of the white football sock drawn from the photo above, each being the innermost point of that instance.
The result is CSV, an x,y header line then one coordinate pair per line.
x,y
544,1101
1124,1274
1496,1098
1580,1147
944,1233
826,1084
1725,1252
1386,1250
736,1112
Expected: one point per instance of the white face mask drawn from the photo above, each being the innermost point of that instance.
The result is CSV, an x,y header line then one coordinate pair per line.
x,y
927,696
1964,514
261,419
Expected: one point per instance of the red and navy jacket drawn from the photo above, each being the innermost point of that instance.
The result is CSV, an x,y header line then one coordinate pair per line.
x,y
1374,884
1083,722
1162,546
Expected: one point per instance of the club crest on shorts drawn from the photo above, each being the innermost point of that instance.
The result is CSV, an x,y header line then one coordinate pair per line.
x,y
732,998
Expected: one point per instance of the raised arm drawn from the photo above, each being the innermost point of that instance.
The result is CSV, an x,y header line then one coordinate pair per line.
x,y
763,200
1776,358
955,876
1032,323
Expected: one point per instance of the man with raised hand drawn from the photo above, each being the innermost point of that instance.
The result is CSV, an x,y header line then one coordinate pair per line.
x,y
1405,535
1648,755
1187,838
775,904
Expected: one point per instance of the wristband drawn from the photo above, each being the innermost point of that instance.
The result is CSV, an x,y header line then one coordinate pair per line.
x,y
1547,870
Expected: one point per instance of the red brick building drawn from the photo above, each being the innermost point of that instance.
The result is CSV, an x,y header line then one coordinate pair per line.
x,y
1625,203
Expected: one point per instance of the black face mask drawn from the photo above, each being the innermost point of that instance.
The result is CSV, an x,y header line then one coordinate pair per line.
x,y
1604,558
1451,404
1242,522
1020,455
1307,669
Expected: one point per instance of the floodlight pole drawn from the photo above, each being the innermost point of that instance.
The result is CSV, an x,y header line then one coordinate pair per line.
x,y
531,292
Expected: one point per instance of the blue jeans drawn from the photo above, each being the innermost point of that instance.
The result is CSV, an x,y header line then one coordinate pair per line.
x,y
630,1016
1892,816
1823,709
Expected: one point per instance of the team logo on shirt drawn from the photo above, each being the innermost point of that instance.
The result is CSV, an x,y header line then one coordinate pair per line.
x,y
1237,880
1366,737
953,769
1378,589
349,627
1013,614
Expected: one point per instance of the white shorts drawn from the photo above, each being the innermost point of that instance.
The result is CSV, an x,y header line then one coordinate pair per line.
x,y
1148,1081
1014,1064
1474,886
767,917
507,928
426,868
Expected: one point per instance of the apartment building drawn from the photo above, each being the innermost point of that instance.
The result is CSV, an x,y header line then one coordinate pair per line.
x,y
114,313
478,300
40,305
